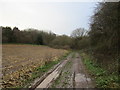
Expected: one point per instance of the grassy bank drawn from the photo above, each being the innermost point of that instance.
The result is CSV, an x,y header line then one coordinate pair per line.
x,y
102,77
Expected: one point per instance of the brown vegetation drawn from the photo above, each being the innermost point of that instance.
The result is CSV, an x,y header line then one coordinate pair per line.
x,y
20,60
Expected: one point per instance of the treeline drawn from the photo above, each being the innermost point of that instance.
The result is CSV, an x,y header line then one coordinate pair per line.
x,y
77,40
34,36
105,31
104,35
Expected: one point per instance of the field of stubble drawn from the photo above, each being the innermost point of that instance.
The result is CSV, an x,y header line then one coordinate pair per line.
x,y
19,61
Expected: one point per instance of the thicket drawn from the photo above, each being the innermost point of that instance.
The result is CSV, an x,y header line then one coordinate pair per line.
x,y
104,35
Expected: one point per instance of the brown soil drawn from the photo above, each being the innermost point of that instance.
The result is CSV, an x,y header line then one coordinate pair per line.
x,y
19,61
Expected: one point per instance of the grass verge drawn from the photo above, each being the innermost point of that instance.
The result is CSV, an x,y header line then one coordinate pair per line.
x,y
102,78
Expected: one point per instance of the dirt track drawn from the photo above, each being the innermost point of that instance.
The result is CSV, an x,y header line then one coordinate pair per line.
x,y
71,73
81,76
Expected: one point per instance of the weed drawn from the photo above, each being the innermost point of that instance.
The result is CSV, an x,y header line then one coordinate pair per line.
x,y
102,77
63,79
42,69
73,55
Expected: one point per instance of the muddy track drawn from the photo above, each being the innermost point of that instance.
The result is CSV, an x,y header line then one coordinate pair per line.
x,y
71,73
81,77
46,80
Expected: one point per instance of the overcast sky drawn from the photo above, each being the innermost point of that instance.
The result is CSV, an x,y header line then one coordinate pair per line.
x,y
59,17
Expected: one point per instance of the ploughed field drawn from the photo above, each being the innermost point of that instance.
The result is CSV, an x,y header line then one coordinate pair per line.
x,y
19,61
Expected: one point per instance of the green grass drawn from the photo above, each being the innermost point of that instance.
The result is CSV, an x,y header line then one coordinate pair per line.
x,y
102,78
73,54
42,69
38,72
63,76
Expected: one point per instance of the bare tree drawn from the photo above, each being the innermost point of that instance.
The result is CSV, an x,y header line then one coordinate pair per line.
x,y
80,32
77,35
